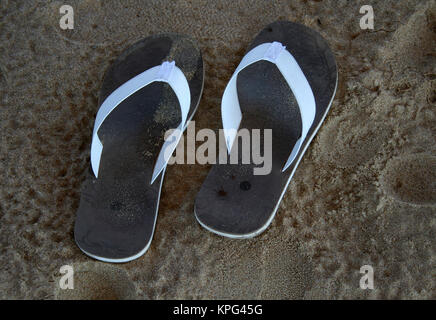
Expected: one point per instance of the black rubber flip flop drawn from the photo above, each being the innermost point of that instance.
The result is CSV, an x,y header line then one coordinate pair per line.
x,y
234,202
120,197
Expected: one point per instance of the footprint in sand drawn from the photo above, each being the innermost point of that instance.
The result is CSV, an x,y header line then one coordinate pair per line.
x,y
348,142
412,44
97,281
261,268
238,272
287,274
411,179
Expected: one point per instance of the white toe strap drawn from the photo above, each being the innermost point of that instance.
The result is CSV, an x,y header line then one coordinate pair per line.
x,y
275,53
166,72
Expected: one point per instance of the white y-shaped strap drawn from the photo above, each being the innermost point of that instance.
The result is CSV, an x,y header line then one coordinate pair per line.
x,y
166,72
276,53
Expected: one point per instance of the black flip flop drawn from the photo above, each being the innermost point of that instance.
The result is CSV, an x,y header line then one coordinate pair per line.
x,y
233,201
154,85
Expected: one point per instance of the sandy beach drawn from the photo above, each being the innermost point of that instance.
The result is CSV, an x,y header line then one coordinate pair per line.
x,y
364,193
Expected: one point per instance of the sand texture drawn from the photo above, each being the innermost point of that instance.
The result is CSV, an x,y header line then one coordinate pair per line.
x,y
364,193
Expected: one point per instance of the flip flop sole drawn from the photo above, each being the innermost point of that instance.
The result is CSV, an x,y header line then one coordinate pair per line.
x,y
118,211
232,201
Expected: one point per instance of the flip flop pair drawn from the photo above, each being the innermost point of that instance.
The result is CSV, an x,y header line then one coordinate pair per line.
x,y
285,82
